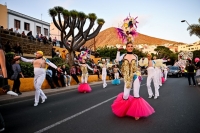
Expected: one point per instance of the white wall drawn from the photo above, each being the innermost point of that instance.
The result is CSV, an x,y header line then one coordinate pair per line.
x,y
33,24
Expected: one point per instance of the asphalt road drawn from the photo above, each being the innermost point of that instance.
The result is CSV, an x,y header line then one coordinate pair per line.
x,y
177,111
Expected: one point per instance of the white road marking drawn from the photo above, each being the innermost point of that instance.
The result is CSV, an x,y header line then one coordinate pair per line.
x,y
75,115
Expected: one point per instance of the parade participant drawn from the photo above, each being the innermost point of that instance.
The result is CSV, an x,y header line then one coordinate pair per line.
x,y
197,65
4,78
152,76
125,104
158,71
165,71
104,73
116,81
39,64
84,86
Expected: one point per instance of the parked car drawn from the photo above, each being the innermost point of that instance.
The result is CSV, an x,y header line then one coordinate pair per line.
x,y
174,71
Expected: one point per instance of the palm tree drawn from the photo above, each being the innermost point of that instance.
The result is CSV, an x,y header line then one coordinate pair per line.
x,y
73,20
194,29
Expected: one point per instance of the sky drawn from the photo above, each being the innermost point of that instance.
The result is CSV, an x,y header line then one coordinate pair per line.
x,y
157,18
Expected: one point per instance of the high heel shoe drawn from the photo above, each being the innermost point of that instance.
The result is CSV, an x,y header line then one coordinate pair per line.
x,y
137,118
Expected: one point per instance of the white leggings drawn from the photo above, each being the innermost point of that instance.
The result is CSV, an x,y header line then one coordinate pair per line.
x,y
40,74
84,78
136,89
116,75
152,76
104,74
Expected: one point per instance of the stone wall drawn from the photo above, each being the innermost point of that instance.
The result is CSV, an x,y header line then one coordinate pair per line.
x,y
28,46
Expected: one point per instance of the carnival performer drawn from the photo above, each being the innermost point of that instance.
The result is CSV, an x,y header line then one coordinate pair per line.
x,y
84,86
197,65
125,104
158,71
165,71
116,81
4,79
39,64
104,73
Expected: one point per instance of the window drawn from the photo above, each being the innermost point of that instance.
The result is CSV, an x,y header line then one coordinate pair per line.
x,y
27,26
38,29
17,24
45,32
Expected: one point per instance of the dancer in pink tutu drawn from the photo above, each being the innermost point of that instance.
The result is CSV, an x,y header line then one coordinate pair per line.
x,y
125,104
84,86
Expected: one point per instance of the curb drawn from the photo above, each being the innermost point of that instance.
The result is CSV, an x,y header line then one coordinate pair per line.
x,y
7,99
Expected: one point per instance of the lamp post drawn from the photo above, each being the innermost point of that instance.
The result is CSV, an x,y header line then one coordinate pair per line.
x,y
185,21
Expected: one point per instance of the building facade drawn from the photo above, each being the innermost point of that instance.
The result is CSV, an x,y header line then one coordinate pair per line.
x,y
22,22
192,47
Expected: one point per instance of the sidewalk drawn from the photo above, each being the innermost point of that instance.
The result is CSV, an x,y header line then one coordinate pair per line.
x,y
5,99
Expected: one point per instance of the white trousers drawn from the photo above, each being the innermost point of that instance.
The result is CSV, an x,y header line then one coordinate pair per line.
x,y
152,76
165,73
84,78
104,75
116,75
158,76
136,89
40,74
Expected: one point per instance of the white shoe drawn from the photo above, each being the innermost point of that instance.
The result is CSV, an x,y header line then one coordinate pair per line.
x,y
43,101
35,104
150,96
155,97
68,84
12,93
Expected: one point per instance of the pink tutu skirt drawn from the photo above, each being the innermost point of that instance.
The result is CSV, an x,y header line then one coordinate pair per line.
x,y
121,106
139,108
84,87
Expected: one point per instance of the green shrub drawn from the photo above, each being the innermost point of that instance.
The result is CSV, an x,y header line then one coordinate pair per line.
x,y
27,69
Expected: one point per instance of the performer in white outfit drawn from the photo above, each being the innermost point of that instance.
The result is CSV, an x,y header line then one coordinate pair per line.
x,y
104,73
115,69
152,76
158,71
39,64
165,71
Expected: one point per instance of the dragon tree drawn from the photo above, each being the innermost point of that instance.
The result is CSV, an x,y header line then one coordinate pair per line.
x,y
69,21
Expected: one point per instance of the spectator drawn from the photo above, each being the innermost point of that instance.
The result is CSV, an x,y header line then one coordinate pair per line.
x,y
96,71
18,49
54,41
54,77
78,71
57,53
23,34
7,47
16,75
45,39
11,29
73,74
190,70
50,40
30,35
41,37
67,77
53,52
49,79
17,31
60,76
38,37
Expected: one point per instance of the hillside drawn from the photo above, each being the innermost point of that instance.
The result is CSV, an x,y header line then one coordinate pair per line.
x,y
110,37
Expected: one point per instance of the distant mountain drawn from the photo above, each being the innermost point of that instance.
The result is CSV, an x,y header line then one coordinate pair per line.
x,y
110,37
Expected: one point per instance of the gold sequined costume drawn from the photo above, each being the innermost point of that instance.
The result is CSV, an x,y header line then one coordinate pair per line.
x,y
128,70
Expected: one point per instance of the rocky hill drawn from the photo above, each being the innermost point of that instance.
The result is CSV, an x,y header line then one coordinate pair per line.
x,y
110,37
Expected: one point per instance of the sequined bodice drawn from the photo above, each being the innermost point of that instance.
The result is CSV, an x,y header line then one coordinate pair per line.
x,y
128,69
84,69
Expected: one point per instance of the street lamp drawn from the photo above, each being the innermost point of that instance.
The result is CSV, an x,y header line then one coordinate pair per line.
x,y
185,21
